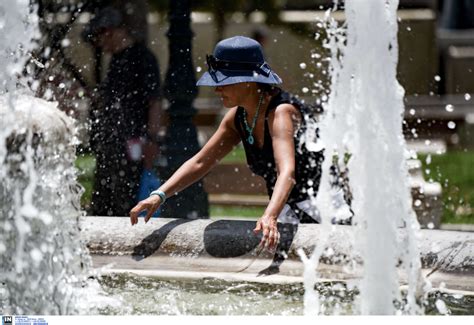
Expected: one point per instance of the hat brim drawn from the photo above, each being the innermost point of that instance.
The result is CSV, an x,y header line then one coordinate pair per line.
x,y
226,77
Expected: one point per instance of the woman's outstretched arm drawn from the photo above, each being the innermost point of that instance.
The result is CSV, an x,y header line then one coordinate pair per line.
x,y
221,143
282,124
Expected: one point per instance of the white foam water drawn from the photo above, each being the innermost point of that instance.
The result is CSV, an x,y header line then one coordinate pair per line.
x,y
364,119
43,262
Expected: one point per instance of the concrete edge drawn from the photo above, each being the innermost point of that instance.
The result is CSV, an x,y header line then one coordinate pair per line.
x,y
446,251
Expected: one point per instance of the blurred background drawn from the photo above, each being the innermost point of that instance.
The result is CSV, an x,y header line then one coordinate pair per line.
x,y
436,63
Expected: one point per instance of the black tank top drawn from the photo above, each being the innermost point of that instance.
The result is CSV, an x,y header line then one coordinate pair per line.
x,y
261,161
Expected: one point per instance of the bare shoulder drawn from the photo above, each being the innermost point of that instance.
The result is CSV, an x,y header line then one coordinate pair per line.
x,y
284,119
283,111
230,114
228,119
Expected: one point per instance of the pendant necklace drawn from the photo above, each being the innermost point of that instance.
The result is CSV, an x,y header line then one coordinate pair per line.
x,y
249,129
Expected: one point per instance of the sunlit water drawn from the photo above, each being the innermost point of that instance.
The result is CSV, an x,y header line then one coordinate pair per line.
x,y
140,295
363,121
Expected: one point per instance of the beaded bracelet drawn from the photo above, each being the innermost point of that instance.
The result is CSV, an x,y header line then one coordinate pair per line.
x,y
161,194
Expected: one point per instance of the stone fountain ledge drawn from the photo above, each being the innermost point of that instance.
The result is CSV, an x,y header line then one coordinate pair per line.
x,y
226,249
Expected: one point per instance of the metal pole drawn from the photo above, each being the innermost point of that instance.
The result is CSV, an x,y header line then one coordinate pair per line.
x,y
180,90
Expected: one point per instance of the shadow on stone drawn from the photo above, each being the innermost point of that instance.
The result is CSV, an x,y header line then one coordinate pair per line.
x,y
230,238
150,244
233,238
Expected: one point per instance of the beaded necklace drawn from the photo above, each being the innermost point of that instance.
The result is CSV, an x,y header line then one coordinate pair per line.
x,y
249,129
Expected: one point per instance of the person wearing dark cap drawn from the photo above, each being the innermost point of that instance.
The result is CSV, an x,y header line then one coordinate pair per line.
x,y
126,118
269,122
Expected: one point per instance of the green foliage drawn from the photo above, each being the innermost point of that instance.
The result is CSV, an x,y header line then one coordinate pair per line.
x,y
236,156
455,172
232,212
86,166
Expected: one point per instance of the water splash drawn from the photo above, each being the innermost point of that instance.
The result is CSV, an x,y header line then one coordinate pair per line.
x,y
42,259
364,119
18,30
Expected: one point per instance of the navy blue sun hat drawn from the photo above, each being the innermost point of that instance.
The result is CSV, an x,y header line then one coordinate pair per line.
x,y
235,60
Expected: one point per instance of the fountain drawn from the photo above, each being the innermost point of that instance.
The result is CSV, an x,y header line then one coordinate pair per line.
x,y
365,111
43,260
214,267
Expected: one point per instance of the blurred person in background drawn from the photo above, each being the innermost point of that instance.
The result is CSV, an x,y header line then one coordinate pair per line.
x,y
126,115
260,34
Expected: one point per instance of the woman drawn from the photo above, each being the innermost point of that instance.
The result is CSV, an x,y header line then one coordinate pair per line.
x,y
271,126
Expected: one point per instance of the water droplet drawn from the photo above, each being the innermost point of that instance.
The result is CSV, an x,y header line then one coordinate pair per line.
x,y
412,111
198,69
303,65
430,225
409,28
451,125
449,108
36,255
417,203
305,89
428,159
441,306
437,78
65,42
467,96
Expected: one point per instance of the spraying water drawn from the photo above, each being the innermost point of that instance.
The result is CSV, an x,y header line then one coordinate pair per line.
x,y
42,259
364,119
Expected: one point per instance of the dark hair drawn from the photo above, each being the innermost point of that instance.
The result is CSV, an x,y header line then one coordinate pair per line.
x,y
268,88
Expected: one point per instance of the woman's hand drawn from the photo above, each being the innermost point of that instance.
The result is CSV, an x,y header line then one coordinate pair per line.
x,y
268,226
150,205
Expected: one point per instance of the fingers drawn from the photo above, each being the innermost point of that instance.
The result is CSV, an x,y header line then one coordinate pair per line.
x,y
273,239
270,237
135,212
150,205
265,233
150,211
258,228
